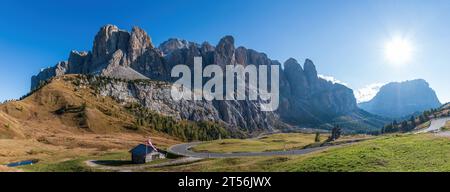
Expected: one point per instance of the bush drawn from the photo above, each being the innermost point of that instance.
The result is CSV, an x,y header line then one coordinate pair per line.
x,y
317,138
132,127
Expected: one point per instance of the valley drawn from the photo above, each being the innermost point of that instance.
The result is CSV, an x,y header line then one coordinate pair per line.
x,y
85,114
395,152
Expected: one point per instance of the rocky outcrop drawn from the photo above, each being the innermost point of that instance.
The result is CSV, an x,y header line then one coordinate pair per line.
x,y
139,42
311,100
174,44
396,100
305,99
115,53
225,52
45,74
156,95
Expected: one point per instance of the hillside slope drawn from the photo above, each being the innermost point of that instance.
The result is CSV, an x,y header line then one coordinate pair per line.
x,y
393,153
68,116
9,127
61,121
61,109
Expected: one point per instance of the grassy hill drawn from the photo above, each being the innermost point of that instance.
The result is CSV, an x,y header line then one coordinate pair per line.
x,y
9,127
266,143
65,119
273,142
394,153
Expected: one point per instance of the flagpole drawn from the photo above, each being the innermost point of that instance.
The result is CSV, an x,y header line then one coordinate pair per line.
x,y
146,153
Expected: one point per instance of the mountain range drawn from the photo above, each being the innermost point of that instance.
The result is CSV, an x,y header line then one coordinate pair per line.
x,y
401,99
305,99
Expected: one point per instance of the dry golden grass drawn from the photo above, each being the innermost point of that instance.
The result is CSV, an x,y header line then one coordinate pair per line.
x,y
275,142
391,153
9,127
266,143
30,128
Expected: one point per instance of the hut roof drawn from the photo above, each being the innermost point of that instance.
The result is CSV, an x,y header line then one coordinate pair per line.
x,y
142,149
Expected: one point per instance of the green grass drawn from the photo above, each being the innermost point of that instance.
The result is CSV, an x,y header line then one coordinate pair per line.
x,y
225,165
274,142
112,159
393,153
74,165
65,166
396,153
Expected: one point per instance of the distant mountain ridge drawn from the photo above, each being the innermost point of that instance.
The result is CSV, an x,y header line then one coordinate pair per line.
x,y
305,99
400,99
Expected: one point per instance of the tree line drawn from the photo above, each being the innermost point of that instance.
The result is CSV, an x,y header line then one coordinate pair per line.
x,y
414,121
183,129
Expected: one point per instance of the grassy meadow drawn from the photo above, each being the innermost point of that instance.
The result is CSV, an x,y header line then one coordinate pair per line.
x,y
395,153
274,142
265,143
392,153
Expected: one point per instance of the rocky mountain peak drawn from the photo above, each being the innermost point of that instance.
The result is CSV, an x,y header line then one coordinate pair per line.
x,y
77,61
310,71
409,83
110,39
225,51
292,63
304,99
226,42
399,99
296,78
206,47
310,68
139,42
173,44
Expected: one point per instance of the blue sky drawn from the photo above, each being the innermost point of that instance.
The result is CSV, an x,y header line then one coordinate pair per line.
x,y
344,38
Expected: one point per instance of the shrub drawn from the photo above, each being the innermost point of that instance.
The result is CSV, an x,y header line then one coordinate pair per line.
x,y
317,138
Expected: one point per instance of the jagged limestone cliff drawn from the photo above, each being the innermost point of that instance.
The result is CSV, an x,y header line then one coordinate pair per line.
x,y
306,99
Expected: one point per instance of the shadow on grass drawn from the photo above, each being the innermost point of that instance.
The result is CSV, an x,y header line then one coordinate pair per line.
x,y
113,162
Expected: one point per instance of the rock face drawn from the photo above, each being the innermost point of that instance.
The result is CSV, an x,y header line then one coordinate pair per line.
x,y
309,99
45,74
402,99
115,53
305,99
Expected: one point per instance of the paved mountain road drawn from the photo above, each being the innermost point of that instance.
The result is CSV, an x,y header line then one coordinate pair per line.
x,y
185,150
190,156
436,125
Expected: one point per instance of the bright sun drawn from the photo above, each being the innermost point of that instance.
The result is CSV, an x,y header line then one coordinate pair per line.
x,y
398,51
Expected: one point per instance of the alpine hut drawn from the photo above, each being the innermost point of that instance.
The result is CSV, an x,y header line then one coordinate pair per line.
x,y
145,153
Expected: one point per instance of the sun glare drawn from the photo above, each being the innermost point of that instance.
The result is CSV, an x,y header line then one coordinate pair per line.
x,y
398,51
